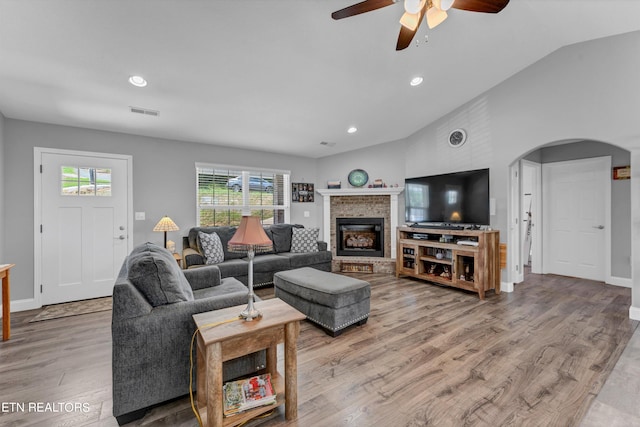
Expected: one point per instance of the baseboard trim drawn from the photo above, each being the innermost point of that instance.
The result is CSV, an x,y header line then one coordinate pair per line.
x,y
23,305
634,313
620,281
507,287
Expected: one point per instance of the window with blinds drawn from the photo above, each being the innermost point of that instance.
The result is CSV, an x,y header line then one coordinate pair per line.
x,y
224,194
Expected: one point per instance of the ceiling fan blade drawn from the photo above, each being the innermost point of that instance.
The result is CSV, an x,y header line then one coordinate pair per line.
x,y
362,7
406,35
486,6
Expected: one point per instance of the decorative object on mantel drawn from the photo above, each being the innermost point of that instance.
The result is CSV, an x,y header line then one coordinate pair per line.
x,y
302,192
358,177
334,185
621,172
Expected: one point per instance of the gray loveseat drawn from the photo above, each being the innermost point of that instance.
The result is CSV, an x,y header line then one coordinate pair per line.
x,y
264,265
152,326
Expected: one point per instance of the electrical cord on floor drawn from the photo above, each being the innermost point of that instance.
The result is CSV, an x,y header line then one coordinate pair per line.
x,y
193,338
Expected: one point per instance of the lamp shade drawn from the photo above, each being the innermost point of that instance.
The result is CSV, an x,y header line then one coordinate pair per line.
x,y
250,236
166,224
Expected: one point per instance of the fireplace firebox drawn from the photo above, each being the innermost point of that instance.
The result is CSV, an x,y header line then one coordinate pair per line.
x,y
360,237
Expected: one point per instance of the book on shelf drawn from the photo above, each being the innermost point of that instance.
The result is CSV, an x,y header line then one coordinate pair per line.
x,y
248,393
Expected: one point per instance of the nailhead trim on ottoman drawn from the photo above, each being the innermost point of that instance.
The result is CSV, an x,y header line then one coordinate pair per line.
x,y
330,300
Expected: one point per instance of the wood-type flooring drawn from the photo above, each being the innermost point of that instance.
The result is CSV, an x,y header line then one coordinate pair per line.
x,y
428,356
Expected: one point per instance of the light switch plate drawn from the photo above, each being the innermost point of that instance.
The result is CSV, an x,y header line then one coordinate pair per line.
x,y
140,216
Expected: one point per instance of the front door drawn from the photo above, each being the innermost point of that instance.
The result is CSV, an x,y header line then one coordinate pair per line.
x,y
576,199
84,224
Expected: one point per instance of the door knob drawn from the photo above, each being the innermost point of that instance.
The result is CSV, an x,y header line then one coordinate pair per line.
x,y
121,237
599,227
122,227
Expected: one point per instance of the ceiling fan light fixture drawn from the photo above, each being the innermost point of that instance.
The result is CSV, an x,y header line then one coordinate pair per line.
x,y
411,17
413,6
352,129
416,81
410,21
443,4
435,17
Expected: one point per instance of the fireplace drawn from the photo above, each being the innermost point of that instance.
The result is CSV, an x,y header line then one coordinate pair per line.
x,y
360,237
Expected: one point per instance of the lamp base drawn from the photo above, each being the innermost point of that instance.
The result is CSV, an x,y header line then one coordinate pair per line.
x,y
250,313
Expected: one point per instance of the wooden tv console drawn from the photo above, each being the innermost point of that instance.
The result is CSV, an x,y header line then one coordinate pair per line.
x,y
438,256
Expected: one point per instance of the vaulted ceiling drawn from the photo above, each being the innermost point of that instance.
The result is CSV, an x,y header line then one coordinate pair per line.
x,y
275,75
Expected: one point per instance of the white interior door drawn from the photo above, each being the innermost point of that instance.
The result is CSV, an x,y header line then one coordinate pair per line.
x,y
576,217
84,224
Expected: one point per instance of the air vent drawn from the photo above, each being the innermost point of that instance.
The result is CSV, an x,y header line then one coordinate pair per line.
x,y
144,111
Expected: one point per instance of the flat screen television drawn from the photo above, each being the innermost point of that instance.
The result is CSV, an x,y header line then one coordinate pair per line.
x,y
459,198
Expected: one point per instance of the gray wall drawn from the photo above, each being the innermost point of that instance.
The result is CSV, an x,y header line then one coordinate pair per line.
x,y
383,161
585,91
3,180
164,182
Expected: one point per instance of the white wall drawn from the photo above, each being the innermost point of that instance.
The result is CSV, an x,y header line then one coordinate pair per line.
x,y
164,182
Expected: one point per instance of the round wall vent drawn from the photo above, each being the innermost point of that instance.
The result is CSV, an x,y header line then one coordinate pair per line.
x,y
457,137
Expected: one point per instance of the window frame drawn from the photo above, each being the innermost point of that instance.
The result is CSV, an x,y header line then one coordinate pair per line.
x,y
245,207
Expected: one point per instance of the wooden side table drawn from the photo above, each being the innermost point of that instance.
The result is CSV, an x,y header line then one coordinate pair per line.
x,y
279,323
6,301
178,258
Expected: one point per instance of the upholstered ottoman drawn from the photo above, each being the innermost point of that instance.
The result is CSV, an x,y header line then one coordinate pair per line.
x,y
329,300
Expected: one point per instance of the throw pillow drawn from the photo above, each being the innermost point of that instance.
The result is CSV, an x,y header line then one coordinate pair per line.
x,y
304,240
211,247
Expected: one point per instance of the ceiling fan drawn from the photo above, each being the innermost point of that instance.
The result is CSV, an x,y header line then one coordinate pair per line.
x,y
415,10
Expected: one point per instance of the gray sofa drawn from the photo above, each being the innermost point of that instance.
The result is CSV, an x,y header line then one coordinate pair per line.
x,y
264,265
152,325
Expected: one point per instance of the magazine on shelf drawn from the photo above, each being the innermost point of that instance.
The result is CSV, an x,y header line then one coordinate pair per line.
x,y
248,393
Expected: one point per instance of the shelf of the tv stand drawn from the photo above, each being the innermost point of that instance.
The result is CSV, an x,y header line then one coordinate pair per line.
x,y
482,261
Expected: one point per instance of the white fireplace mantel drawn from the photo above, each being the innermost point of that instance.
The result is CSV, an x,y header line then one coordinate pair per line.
x,y
389,191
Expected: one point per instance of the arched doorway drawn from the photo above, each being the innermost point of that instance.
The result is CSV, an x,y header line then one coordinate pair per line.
x,y
527,250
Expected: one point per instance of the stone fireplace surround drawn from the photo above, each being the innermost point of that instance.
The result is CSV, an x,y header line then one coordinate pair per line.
x,y
362,202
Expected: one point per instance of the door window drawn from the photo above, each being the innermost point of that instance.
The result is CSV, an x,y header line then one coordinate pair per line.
x,y
85,181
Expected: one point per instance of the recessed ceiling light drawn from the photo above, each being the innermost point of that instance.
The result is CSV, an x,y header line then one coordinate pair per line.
x,y
352,129
416,81
138,81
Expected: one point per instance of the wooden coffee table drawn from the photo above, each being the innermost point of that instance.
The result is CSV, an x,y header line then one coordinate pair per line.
x,y
279,323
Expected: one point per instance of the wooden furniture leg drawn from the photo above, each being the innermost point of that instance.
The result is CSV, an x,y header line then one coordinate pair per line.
x,y
201,369
6,306
291,331
215,406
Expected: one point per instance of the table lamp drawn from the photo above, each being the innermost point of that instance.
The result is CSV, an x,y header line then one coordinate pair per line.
x,y
250,238
166,224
